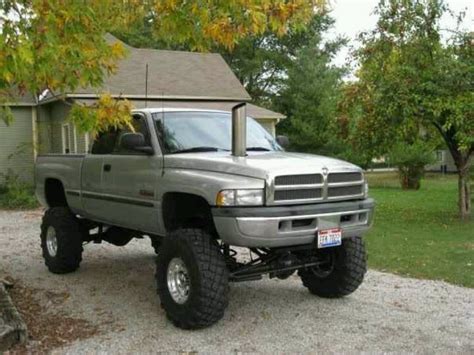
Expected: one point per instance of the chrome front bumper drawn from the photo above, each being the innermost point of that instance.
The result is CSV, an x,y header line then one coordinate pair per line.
x,y
291,225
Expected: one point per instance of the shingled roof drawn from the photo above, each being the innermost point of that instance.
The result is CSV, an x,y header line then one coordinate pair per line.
x,y
175,79
172,75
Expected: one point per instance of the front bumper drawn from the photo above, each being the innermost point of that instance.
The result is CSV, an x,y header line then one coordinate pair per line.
x,y
291,225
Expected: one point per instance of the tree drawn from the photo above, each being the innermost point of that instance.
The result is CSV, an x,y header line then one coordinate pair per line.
x,y
60,46
262,62
410,78
309,98
411,159
55,46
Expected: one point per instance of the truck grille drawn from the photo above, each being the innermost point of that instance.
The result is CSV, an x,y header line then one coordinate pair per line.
x,y
299,179
285,195
344,191
344,177
314,188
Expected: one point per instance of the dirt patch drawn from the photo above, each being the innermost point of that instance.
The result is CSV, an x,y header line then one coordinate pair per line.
x,y
47,329
34,214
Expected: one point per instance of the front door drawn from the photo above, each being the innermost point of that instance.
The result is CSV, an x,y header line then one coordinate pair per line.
x,y
129,182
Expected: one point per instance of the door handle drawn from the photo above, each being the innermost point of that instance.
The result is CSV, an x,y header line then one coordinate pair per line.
x,y
107,167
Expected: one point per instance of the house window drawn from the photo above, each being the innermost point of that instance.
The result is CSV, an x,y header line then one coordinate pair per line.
x,y
69,145
439,155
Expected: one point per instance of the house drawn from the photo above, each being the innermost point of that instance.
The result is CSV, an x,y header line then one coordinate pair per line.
x,y
443,162
175,79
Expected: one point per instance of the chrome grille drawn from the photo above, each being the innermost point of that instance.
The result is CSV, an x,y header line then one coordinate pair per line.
x,y
344,191
299,179
303,194
344,177
307,188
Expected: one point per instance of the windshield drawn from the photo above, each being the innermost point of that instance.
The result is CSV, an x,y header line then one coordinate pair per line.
x,y
195,131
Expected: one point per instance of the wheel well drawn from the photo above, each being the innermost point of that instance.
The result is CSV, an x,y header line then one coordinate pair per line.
x,y
187,210
54,193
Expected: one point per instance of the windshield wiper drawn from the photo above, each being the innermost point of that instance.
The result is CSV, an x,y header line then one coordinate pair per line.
x,y
259,149
198,149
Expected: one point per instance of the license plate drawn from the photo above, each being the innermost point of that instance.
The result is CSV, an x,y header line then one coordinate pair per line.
x,y
329,238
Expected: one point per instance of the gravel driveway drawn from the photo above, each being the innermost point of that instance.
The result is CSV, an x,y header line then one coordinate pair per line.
x,y
115,290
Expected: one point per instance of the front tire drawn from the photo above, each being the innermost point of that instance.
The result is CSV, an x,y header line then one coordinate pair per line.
x,y
346,273
61,240
192,279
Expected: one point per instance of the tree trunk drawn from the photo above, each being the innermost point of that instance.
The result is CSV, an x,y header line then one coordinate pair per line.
x,y
462,162
464,190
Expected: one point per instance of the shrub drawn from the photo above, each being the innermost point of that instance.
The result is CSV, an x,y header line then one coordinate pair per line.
x,y
15,193
411,159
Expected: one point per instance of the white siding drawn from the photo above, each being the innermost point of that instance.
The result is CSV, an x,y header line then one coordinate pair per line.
x,y
268,124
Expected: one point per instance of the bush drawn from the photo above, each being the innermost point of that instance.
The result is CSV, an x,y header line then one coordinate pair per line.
x,y
411,159
15,193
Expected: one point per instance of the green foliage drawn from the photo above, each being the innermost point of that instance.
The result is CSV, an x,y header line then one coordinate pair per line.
x,y
309,97
101,116
61,46
418,234
262,63
416,154
409,80
6,115
411,160
16,194
56,46
201,25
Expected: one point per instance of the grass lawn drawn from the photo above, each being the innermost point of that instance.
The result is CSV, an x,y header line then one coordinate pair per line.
x,y
418,233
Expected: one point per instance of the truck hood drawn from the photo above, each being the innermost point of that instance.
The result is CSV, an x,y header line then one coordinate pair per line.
x,y
262,165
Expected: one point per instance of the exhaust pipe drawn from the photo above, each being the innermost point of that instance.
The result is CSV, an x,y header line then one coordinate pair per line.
x,y
239,130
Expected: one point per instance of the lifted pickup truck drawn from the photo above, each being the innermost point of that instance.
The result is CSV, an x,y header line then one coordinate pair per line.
x,y
199,183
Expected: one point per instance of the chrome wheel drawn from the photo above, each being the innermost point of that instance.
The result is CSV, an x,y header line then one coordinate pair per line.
x,y
51,241
178,280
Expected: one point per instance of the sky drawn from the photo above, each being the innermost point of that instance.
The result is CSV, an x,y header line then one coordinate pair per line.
x,y
355,16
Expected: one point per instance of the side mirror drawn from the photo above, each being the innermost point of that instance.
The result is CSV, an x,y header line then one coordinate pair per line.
x,y
283,141
136,142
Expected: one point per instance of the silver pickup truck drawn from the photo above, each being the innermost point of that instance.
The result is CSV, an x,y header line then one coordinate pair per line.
x,y
200,183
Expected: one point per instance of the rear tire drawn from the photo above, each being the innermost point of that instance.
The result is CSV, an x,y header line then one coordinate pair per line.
x,y
348,270
61,240
201,268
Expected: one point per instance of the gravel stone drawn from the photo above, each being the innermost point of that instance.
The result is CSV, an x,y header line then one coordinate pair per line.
x,y
115,289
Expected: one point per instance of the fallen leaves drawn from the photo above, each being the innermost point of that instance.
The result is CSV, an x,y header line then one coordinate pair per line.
x,y
47,328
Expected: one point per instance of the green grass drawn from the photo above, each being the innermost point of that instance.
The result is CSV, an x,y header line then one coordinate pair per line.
x,y
418,233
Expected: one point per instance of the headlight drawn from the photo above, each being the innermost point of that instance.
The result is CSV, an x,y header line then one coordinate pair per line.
x,y
366,189
251,197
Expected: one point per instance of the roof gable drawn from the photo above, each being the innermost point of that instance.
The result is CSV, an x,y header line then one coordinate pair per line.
x,y
172,74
